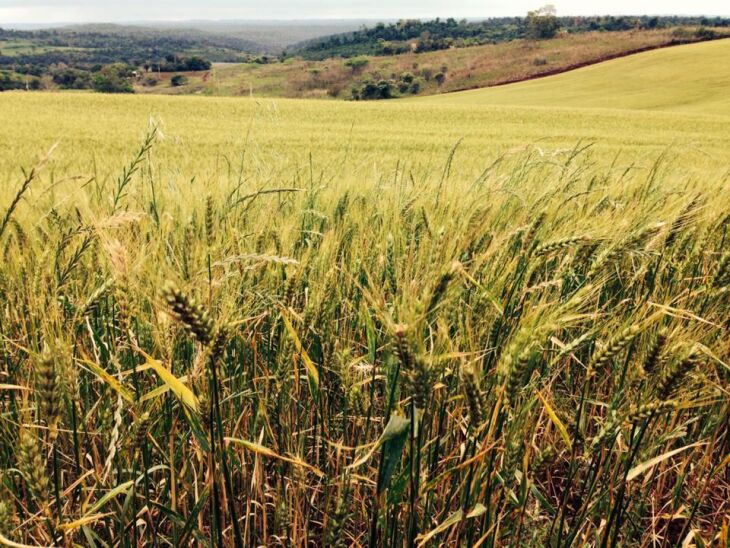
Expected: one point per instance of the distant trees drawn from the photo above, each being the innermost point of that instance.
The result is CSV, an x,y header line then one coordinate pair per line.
x,y
114,79
172,63
70,78
542,23
420,36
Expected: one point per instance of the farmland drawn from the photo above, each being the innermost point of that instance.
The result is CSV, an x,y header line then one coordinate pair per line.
x,y
495,317
646,81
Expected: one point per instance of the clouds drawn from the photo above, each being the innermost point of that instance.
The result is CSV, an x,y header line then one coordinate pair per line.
x,y
46,11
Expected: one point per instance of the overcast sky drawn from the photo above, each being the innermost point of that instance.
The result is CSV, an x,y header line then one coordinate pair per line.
x,y
50,11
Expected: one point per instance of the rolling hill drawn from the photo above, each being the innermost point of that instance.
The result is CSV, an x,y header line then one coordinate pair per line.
x,y
690,78
433,72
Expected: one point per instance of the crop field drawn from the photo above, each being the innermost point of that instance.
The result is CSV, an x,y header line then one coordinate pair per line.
x,y
463,322
646,81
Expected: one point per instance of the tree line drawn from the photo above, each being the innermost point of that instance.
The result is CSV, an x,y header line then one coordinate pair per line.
x,y
419,36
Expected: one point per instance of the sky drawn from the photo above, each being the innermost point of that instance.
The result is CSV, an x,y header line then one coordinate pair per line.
x,y
58,11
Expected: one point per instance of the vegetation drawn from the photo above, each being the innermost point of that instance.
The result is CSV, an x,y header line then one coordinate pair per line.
x,y
420,36
436,72
178,80
628,83
374,324
113,79
73,58
542,24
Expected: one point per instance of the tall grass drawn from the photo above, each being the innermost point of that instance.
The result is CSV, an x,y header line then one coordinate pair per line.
x,y
537,357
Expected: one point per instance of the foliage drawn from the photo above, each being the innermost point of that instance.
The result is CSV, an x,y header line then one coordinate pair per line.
x,y
113,79
178,80
357,64
422,36
542,24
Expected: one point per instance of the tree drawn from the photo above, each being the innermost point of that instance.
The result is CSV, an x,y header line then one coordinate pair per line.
x,y
357,64
542,23
113,79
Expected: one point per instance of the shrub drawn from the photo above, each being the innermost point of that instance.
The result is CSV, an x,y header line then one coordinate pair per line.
x,y
371,90
703,33
440,78
178,80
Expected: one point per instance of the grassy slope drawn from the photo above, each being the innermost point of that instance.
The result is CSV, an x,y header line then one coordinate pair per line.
x,y
693,78
466,67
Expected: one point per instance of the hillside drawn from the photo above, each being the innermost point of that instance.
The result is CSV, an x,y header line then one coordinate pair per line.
x,y
271,37
426,73
415,35
691,78
81,45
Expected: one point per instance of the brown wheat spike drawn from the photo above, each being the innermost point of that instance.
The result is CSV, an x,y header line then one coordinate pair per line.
x,y
670,380
189,313
209,221
32,464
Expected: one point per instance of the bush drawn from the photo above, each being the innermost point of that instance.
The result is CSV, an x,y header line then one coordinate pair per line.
x,y
371,90
539,61
178,80
407,77
703,33
440,78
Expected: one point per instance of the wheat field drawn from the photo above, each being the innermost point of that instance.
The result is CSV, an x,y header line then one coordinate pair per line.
x,y
251,322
